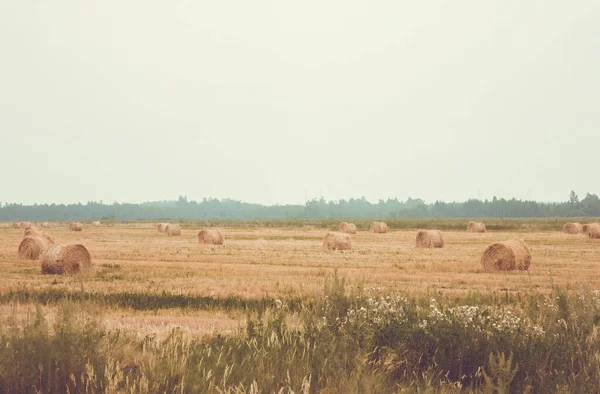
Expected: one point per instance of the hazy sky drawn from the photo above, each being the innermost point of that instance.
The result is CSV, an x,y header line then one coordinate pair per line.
x,y
272,101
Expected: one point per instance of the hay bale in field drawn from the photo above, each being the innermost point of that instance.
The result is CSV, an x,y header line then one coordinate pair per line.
x,y
506,256
25,225
96,224
594,231
16,225
337,241
210,236
66,259
173,229
586,227
47,236
75,226
32,246
476,227
45,224
573,228
343,227
348,228
39,233
34,231
31,230
162,227
379,227
429,239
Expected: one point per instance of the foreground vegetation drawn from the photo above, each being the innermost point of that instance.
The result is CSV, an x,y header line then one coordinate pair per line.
x,y
345,342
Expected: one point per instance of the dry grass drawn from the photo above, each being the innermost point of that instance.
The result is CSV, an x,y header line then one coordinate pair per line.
x,y
259,262
280,262
193,323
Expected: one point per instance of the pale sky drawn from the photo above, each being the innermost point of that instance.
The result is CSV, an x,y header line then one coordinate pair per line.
x,y
272,101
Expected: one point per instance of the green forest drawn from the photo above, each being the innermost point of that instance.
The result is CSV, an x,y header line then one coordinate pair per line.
x,y
228,209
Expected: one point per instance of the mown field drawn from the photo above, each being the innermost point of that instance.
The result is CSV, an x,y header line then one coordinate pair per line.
x,y
282,313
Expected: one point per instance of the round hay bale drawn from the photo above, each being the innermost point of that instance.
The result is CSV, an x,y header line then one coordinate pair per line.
x,y
16,225
45,225
586,227
337,241
573,228
66,259
75,226
173,229
162,227
210,236
343,227
476,227
594,231
35,232
45,235
348,228
32,246
25,224
31,230
379,227
96,224
506,256
430,239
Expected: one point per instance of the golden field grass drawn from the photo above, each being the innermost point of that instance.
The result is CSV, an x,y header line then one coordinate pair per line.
x,y
140,323
291,262
284,262
165,314
259,262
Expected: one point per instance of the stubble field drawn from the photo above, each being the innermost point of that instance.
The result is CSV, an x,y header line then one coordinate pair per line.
x,y
271,311
281,263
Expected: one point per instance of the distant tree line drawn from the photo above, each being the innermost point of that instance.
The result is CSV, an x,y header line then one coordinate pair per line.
x,y
214,209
